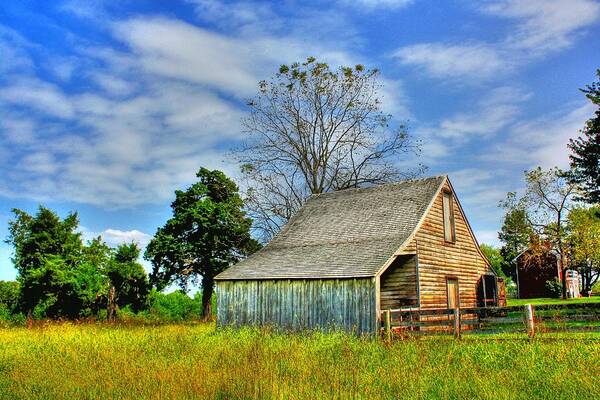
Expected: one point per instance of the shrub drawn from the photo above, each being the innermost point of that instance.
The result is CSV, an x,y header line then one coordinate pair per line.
x,y
174,306
9,295
555,288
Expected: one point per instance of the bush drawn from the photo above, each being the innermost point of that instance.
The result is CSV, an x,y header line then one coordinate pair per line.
x,y
175,306
8,318
5,314
555,288
9,295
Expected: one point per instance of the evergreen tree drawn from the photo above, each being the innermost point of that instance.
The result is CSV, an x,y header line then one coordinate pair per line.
x,y
585,157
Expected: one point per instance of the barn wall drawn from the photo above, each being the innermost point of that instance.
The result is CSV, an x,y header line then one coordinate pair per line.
x,y
533,273
398,284
439,259
346,304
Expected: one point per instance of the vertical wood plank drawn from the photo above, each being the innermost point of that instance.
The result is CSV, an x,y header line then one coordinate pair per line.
x,y
344,304
457,323
388,325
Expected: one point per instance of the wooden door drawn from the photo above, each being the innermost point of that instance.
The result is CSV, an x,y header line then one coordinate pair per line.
x,y
452,290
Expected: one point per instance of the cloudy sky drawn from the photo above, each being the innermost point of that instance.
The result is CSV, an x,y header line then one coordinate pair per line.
x,y
107,107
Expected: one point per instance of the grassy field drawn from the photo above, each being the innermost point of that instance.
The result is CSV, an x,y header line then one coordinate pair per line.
x,y
520,302
195,361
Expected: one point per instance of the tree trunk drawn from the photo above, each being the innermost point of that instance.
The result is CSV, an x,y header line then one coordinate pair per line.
x,y
110,309
208,285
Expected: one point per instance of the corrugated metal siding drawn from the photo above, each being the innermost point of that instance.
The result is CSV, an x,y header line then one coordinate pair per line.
x,y
344,304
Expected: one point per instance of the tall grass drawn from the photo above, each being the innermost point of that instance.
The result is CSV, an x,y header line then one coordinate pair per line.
x,y
95,361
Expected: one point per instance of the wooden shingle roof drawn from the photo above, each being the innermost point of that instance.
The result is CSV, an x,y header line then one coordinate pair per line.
x,y
344,234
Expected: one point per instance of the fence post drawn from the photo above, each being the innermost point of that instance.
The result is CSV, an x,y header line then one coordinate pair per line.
x,y
529,320
457,323
388,325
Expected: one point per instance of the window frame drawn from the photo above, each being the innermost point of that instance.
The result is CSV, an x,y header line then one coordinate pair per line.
x,y
452,223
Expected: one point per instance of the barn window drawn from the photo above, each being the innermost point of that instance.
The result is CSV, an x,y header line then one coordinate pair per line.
x,y
449,230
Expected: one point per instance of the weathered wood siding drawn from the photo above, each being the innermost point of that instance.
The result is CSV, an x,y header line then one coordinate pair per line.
x,y
439,259
344,304
398,284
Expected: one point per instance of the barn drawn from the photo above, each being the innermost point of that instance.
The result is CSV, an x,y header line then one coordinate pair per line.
x,y
346,256
533,269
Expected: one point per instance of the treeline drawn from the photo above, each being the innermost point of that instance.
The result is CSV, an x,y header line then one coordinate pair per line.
x,y
558,211
160,307
60,276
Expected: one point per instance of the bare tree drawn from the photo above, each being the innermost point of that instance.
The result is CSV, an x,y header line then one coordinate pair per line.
x,y
312,129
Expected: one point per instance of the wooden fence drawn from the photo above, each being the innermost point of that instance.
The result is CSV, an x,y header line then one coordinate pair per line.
x,y
527,319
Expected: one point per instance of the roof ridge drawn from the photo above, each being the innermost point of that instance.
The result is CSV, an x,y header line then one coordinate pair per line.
x,y
378,186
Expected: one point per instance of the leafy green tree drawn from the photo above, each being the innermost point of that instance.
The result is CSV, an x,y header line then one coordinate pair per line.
x,y
46,249
584,244
9,295
129,284
208,232
97,253
515,234
495,258
585,150
61,290
60,277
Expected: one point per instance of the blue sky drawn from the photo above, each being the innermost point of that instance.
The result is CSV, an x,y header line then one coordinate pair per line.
x,y
107,107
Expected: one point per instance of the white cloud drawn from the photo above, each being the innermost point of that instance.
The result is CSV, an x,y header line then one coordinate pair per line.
x,y
376,4
117,237
164,110
239,15
14,49
43,96
468,61
545,25
480,190
489,237
495,111
91,9
537,27
175,49
542,141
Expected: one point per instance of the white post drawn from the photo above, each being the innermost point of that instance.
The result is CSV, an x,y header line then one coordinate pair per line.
x,y
529,320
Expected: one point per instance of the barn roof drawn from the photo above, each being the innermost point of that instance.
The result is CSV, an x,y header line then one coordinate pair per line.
x,y
344,234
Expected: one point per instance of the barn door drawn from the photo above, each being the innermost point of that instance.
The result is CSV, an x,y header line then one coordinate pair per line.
x,y
452,290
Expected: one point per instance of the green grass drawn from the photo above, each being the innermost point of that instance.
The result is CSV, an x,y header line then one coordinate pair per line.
x,y
194,361
520,302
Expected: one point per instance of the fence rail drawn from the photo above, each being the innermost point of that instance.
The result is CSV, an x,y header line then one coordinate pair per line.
x,y
527,319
